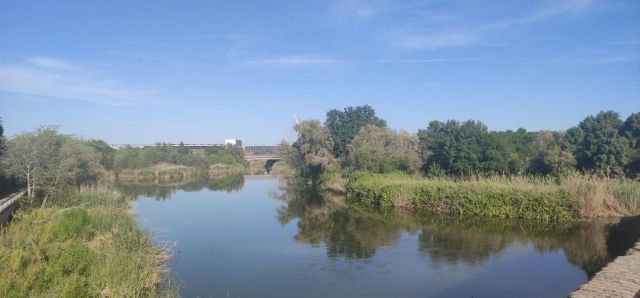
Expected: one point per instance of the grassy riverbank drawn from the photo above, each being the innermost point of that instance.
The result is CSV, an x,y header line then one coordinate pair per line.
x,y
161,173
571,198
87,245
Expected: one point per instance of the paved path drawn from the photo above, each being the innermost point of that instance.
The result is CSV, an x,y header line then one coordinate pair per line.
x,y
620,278
8,205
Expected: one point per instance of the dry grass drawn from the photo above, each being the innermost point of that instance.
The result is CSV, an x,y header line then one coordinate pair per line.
x,y
161,173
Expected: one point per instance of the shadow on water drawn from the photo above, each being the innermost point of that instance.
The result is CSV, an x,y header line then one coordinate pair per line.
x,y
355,232
227,183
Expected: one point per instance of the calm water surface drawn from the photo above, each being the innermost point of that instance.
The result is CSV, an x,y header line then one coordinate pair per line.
x,y
251,237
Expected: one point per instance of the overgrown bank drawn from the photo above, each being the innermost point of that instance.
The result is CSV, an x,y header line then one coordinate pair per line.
x,y
86,245
590,170
569,198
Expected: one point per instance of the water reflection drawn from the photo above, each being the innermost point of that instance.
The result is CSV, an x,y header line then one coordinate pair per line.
x,y
228,183
356,233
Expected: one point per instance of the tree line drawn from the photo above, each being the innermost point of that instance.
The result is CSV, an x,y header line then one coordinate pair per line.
x,y
356,139
46,162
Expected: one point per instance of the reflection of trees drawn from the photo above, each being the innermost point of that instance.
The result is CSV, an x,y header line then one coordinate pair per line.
x,y
226,183
356,232
161,191
165,191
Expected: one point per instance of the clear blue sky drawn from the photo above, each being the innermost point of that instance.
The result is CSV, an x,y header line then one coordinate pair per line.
x,y
202,71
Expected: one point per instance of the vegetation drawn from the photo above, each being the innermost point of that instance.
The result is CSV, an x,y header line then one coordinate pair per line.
x,y
225,155
1,138
160,174
382,150
569,198
86,245
584,172
311,154
344,125
46,161
69,242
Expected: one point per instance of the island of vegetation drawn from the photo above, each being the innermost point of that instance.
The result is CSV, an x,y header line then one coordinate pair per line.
x,y
463,169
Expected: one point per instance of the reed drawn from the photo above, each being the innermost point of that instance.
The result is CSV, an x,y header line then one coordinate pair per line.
x,y
569,198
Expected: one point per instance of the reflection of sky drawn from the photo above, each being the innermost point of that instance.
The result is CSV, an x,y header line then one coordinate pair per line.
x,y
233,242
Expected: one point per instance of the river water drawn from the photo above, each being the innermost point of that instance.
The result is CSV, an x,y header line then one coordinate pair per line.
x,y
241,236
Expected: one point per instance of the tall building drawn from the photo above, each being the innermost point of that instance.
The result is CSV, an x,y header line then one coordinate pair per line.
x,y
234,142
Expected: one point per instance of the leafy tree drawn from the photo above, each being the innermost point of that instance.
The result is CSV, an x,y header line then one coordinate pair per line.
x,y
598,145
383,150
107,154
228,154
182,149
46,160
310,155
344,125
518,148
460,148
1,138
631,131
551,155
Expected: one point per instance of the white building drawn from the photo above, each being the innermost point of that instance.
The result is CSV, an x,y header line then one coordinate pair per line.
x,y
234,142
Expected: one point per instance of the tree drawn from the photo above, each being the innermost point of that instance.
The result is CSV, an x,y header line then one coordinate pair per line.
x,y
107,154
551,155
2,141
344,125
383,150
460,148
46,160
518,148
631,131
182,149
598,145
310,155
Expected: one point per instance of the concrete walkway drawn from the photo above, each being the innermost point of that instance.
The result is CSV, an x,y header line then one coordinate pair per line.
x,y
8,205
620,278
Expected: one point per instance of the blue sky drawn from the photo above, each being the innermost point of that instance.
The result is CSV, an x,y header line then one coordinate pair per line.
x,y
202,71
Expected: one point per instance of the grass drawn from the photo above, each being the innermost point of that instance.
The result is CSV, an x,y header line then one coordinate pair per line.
x,y
570,198
226,169
88,245
161,173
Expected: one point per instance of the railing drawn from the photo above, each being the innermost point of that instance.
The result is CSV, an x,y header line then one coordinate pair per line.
x,y
8,205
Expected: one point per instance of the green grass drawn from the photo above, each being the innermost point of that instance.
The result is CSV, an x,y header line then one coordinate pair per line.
x,y
93,248
571,198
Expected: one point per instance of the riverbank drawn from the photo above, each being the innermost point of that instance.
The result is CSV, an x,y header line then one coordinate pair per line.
x,y
572,198
620,278
85,245
161,173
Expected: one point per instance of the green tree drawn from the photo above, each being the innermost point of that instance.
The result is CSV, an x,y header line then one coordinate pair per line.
x,y
182,149
598,145
344,125
2,141
551,155
383,150
631,131
107,153
518,148
460,148
46,160
228,154
310,155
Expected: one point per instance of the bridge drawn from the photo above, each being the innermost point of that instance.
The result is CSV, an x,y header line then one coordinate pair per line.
x,y
250,157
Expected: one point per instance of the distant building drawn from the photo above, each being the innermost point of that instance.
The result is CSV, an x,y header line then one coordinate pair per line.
x,y
234,142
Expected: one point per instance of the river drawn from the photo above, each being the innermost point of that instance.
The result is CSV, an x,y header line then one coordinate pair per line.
x,y
252,237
